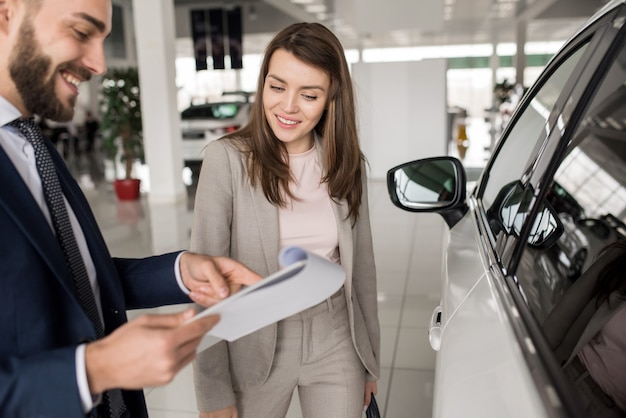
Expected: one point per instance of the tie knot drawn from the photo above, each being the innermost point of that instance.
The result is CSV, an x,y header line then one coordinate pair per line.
x,y
28,128
23,123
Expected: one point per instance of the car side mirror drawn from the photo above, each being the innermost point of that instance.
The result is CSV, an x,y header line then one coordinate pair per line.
x,y
514,209
546,230
429,185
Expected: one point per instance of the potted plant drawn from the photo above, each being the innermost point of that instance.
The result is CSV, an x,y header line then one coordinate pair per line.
x,y
121,127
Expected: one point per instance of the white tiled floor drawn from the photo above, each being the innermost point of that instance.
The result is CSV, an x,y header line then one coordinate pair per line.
x,y
408,258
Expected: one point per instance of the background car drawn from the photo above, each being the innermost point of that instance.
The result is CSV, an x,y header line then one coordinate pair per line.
x,y
555,182
599,232
203,123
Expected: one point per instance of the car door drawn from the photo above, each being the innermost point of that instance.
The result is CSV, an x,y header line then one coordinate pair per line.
x,y
493,359
584,180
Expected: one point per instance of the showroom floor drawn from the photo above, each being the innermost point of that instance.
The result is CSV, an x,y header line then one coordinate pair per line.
x,y
408,259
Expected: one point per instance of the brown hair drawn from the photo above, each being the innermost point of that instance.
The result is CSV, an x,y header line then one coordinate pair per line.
x,y
267,159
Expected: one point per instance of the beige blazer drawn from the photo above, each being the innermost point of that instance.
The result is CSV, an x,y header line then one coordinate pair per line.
x,y
233,219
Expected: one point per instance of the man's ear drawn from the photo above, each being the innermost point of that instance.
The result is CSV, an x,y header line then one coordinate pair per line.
x,y
8,9
4,15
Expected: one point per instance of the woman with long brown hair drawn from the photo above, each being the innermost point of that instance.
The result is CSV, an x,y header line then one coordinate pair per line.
x,y
294,175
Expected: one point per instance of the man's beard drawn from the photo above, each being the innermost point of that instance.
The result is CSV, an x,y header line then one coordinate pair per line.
x,y
29,69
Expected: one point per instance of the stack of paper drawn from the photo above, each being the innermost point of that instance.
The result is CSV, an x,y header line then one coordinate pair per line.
x,y
306,280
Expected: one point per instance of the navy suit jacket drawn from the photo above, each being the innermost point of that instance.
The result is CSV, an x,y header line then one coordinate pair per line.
x,y
41,319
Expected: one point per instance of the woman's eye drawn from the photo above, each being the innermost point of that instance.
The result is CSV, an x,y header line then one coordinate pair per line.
x,y
276,88
309,97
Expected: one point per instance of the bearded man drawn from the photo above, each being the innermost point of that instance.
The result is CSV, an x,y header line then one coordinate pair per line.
x,y
66,348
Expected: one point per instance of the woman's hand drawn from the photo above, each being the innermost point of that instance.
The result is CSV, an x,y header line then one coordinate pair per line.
x,y
229,412
370,387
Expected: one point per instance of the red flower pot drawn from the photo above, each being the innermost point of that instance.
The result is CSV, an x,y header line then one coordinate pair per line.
x,y
127,189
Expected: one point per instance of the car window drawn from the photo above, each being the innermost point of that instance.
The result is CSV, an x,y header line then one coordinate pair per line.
x,y
211,111
588,192
525,138
572,286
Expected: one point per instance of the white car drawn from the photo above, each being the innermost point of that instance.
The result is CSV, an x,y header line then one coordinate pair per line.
x,y
501,278
203,123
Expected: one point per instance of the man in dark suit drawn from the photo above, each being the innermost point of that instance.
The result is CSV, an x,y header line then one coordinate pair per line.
x,y
65,352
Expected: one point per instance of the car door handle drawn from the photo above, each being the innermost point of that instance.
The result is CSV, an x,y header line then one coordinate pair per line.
x,y
434,330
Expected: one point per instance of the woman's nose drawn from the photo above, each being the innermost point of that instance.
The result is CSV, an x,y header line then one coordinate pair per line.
x,y
290,103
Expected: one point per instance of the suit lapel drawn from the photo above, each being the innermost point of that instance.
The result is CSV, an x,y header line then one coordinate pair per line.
x,y
80,206
346,245
267,221
20,205
344,230
110,289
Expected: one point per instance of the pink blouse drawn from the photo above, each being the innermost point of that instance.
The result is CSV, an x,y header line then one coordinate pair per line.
x,y
310,221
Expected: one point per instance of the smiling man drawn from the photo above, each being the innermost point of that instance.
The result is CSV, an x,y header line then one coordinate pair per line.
x,y
73,43
66,348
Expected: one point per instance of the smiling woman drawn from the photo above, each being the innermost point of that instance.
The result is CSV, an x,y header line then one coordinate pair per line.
x,y
294,100
293,175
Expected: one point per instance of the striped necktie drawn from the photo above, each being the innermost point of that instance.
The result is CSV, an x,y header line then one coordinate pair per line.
x,y
65,235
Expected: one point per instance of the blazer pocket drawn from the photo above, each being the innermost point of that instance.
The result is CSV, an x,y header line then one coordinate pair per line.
x,y
251,358
362,341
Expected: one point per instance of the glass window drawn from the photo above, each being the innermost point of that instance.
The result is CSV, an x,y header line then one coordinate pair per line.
x,y
576,287
211,111
524,139
115,43
588,192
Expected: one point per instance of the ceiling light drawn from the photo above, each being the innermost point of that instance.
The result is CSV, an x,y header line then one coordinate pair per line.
x,y
315,8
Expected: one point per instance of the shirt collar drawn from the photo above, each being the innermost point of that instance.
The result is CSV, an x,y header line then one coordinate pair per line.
x,y
8,112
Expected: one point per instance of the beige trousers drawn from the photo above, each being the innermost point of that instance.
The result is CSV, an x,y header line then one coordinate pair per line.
x,y
315,354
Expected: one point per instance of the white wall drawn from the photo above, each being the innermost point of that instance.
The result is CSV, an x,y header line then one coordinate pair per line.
x,y
402,111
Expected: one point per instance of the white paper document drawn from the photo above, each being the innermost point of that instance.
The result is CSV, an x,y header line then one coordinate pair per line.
x,y
306,280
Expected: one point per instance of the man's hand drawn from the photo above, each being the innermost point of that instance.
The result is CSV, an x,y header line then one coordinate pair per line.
x,y
147,351
211,279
